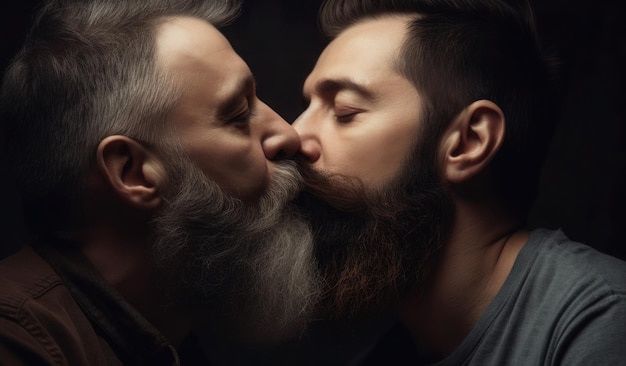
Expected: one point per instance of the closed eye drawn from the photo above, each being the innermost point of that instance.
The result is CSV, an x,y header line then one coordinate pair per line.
x,y
244,116
242,120
345,118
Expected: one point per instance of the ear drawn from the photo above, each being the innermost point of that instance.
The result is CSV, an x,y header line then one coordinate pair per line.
x,y
472,140
131,170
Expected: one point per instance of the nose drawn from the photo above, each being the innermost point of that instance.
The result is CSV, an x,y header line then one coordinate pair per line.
x,y
310,146
280,140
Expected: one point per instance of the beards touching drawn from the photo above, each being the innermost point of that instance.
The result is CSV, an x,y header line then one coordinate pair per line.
x,y
374,245
251,264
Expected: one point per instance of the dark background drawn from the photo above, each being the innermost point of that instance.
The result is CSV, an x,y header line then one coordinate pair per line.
x,y
582,184
582,189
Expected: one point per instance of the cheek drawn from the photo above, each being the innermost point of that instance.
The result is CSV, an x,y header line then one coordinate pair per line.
x,y
238,167
375,156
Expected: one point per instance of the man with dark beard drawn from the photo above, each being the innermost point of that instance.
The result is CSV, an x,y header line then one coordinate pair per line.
x,y
424,135
154,180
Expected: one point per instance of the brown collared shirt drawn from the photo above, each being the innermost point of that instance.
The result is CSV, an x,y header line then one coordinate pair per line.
x,y
55,309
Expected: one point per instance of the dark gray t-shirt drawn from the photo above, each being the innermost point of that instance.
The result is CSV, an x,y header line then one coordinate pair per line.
x,y
563,303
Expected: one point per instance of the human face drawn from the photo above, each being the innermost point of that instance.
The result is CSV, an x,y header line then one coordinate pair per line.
x,y
231,135
373,197
363,117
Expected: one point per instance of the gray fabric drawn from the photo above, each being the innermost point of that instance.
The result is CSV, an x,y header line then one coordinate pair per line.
x,y
563,303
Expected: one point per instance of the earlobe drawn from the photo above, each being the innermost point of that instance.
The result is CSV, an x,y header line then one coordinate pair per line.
x,y
131,170
472,140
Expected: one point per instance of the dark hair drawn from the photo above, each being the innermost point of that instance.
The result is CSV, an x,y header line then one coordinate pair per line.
x,y
86,71
460,51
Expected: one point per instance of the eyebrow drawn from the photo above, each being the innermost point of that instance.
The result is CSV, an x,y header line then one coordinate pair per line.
x,y
333,86
243,85
233,99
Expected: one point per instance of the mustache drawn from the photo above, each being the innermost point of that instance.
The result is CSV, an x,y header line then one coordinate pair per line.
x,y
340,195
338,191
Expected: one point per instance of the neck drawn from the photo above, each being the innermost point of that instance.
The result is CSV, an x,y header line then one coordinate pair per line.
x,y
124,261
476,260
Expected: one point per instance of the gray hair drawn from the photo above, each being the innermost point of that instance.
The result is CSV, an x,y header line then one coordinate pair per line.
x,y
87,71
249,267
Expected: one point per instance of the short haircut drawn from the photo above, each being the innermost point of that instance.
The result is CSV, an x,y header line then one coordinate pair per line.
x,y
87,70
460,51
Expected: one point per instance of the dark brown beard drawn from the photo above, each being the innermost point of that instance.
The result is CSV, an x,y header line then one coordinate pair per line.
x,y
373,247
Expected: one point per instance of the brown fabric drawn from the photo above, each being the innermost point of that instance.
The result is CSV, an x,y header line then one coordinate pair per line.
x,y
70,316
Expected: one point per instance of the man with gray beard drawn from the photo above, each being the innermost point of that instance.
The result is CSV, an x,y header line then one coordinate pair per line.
x,y
156,186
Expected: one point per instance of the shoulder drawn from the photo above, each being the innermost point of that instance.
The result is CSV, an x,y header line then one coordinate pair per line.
x,y
24,276
38,315
585,290
564,262
560,303
590,288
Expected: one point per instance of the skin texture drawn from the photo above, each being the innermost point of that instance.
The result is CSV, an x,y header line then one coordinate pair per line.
x,y
372,141
361,136
223,204
363,117
226,130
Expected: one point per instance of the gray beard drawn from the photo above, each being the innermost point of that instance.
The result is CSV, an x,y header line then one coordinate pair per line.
x,y
249,268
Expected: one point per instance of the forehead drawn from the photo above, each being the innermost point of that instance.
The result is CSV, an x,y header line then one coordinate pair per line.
x,y
186,40
195,52
363,52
